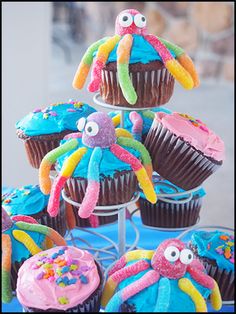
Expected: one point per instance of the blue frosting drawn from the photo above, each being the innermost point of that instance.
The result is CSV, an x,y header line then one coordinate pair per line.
x,y
146,121
210,245
19,251
109,165
27,200
145,300
54,119
141,51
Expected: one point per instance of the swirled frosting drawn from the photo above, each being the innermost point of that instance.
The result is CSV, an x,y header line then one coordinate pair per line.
x,y
59,278
194,132
55,118
26,200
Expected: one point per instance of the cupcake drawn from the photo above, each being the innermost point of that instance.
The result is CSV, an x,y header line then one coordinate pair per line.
x,y
30,201
22,237
134,68
61,279
216,251
137,123
42,129
166,280
183,149
174,212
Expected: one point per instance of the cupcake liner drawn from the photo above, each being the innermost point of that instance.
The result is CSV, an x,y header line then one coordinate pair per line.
x,y
92,304
176,160
116,190
152,82
38,146
170,215
14,272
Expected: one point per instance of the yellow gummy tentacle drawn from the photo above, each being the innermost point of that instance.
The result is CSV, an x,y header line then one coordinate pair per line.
x,y
107,47
146,185
215,297
186,286
123,133
138,254
179,73
116,120
187,63
28,242
72,161
124,48
108,291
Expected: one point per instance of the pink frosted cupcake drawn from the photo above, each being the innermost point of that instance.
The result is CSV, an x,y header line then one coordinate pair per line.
x,y
183,149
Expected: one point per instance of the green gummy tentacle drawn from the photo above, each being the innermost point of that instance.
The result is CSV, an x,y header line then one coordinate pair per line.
x,y
88,56
6,287
33,227
178,51
149,114
126,84
61,150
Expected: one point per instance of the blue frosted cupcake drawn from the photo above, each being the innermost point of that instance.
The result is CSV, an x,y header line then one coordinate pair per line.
x,y
42,129
30,201
171,214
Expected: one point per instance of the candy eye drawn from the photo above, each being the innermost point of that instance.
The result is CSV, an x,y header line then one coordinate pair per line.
x,y
140,20
91,128
186,256
171,253
81,124
125,19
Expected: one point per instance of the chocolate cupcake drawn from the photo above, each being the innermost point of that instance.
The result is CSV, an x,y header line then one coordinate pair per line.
x,y
171,212
72,283
216,250
42,129
183,149
30,201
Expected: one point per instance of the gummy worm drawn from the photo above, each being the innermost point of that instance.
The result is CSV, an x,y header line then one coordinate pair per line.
x,y
24,218
215,297
28,242
48,160
172,65
137,128
123,133
101,59
67,170
85,64
186,286
201,277
93,187
163,298
116,120
123,56
6,269
72,135
149,114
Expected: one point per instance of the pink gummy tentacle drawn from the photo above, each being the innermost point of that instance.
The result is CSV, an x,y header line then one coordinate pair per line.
x,y
118,265
90,199
200,277
54,199
137,121
125,156
72,135
197,264
24,218
96,76
160,48
94,221
129,271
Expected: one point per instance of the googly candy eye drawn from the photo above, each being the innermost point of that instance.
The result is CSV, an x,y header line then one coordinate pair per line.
x,y
81,124
186,256
91,128
125,19
140,20
171,253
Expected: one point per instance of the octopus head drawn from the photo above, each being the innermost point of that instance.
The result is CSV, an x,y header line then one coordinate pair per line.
x,y
6,221
130,22
98,130
172,258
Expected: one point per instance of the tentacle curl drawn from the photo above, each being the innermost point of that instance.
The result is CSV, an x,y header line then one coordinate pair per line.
x,y
6,269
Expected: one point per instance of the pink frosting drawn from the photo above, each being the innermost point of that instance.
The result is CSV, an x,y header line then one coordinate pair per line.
x,y
45,293
195,132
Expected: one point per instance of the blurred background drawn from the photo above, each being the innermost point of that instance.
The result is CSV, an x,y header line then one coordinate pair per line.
x,y
43,43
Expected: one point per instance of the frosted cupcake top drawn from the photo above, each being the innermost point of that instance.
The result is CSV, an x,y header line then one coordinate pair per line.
x,y
58,278
195,132
55,118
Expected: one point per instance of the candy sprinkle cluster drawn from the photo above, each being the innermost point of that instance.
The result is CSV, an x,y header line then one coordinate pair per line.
x,y
61,269
48,111
24,191
227,248
195,122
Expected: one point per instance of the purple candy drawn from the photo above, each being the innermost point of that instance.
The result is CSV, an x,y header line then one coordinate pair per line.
x,y
40,275
71,110
84,268
37,110
53,113
76,272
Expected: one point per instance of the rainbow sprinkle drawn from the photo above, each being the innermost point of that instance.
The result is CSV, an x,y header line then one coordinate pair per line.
x,y
227,248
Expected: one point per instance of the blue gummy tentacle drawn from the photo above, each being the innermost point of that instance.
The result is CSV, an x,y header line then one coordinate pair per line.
x,y
94,164
163,298
115,302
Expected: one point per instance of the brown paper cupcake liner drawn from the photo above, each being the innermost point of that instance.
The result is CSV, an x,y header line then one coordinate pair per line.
x,y
38,146
170,215
92,304
176,160
116,190
152,82
14,273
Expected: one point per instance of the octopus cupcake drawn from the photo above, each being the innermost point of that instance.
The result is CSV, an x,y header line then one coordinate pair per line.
x,y
61,279
42,129
134,68
168,279
137,123
171,212
184,150
30,201
216,251
99,166
22,237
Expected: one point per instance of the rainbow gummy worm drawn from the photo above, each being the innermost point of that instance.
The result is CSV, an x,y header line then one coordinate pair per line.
x,y
137,128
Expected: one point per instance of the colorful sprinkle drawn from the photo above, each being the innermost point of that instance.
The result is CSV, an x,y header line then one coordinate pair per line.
x,y
71,110
7,201
83,279
37,110
62,285
84,268
61,252
53,113
45,116
65,269
73,267
78,104
47,265
40,275
72,281
76,272
63,300
224,237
